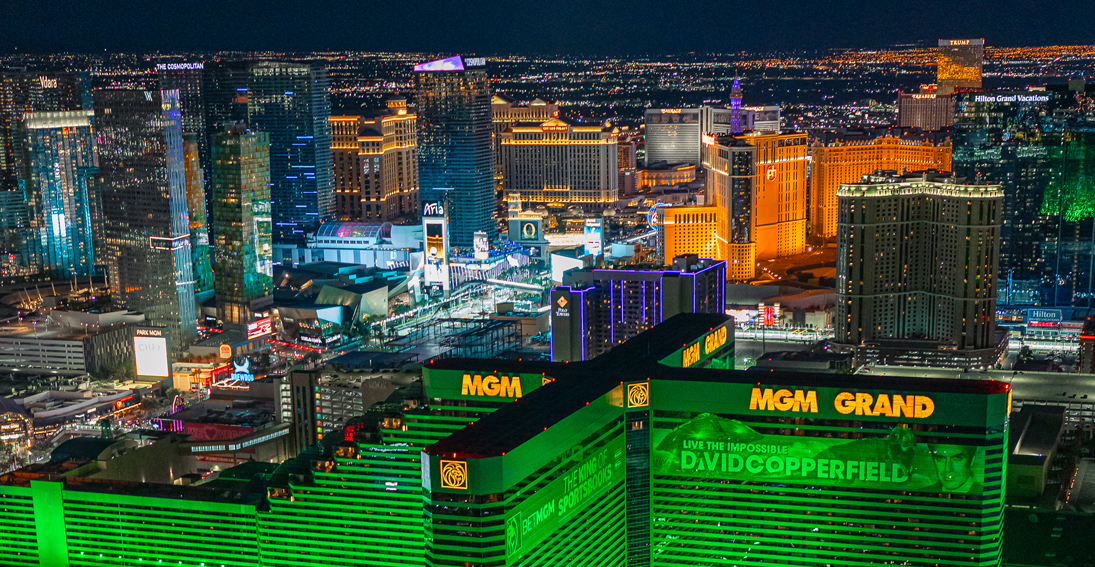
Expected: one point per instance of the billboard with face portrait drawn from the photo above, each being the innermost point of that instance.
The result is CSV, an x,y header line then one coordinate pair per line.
x,y
710,446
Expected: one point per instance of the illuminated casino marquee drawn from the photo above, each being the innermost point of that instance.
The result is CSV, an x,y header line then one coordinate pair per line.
x,y
858,403
491,386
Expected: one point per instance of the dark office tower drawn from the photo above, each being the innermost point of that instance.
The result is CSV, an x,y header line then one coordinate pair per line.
x,y
55,161
225,87
189,80
22,92
195,199
143,192
916,270
290,101
455,162
958,64
241,217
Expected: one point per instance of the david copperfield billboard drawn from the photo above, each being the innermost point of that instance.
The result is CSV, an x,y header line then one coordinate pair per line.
x,y
741,443
716,447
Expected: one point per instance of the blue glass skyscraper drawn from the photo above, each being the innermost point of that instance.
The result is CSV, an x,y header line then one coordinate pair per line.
x,y
290,101
146,222
454,144
1040,147
56,160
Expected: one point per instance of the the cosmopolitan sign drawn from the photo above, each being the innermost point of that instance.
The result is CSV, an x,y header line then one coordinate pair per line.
x,y
1010,98
179,66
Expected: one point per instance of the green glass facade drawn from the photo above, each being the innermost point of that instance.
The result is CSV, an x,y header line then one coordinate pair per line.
x,y
1038,146
241,221
195,200
622,460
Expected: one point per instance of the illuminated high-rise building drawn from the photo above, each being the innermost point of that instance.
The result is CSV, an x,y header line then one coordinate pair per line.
x,y
242,259
674,135
761,194
626,164
958,64
731,180
375,164
1039,145
596,310
846,155
290,101
55,161
926,110
560,163
455,160
195,199
917,262
144,205
690,230
505,113
189,79
23,91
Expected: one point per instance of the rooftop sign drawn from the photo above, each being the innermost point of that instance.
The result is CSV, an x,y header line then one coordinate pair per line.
x,y
1010,98
448,64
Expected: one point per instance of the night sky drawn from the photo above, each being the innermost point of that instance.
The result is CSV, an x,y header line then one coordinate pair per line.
x,y
563,26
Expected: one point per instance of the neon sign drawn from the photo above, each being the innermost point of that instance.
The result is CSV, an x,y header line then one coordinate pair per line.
x,y
242,372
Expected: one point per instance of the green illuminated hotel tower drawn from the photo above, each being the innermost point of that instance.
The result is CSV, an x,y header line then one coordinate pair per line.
x,y
649,455
241,223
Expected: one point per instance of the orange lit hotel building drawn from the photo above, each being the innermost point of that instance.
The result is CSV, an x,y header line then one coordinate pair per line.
x,y
757,185
845,156
375,164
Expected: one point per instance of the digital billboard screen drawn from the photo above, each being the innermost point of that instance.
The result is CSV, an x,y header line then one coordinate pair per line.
x,y
711,446
259,328
437,261
150,352
481,246
594,240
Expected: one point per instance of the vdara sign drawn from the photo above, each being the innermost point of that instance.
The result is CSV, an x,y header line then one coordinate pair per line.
x,y
491,386
859,403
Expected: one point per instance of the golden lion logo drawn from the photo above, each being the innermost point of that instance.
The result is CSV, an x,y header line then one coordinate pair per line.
x,y
638,395
454,474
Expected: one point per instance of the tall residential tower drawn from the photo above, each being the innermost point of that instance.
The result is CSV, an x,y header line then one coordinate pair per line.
x,y
959,64
146,224
455,160
241,217
916,268
56,160
290,101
